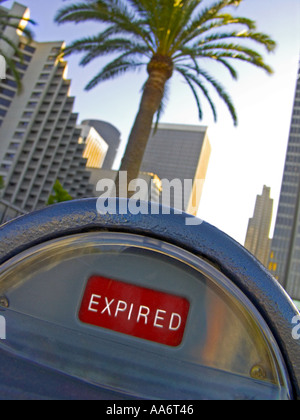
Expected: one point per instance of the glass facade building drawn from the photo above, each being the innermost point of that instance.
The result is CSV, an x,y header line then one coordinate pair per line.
x,y
178,152
285,251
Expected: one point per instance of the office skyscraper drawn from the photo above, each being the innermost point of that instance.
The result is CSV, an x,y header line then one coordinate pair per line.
x,y
285,250
111,136
180,152
38,133
96,147
257,239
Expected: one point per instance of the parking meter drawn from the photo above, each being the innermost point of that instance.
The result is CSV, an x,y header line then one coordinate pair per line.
x,y
144,306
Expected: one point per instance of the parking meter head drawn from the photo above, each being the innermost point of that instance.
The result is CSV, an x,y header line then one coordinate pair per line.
x,y
141,307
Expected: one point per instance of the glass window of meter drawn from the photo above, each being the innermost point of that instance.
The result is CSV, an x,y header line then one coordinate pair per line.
x,y
99,306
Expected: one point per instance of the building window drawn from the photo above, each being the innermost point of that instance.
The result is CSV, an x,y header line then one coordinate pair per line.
x,y
27,114
40,85
55,50
9,73
19,134
10,83
7,92
31,104
23,124
36,95
21,66
5,102
5,166
27,48
48,67
9,156
44,76
14,146
27,58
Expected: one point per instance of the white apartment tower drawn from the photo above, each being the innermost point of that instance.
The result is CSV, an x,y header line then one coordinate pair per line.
x,y
39,140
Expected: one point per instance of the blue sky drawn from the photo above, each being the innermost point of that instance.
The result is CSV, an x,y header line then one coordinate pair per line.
x,y
243,158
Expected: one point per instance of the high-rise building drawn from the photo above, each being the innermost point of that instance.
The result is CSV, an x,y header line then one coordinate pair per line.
x,y
285,249
10,35
180,152
95,147
257,239
111,136
39,137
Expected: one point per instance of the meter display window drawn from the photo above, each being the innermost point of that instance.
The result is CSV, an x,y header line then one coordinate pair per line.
x,y
140,317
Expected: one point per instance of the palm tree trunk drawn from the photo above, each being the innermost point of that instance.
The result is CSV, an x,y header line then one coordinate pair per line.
x,y
141,130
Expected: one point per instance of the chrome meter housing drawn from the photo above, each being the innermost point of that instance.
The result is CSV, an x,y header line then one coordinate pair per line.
x,y
129,309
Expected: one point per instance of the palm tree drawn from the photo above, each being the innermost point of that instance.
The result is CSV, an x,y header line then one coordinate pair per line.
x,y
11,21
165,36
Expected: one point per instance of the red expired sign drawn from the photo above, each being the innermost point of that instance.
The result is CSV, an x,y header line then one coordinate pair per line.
x,y
133,310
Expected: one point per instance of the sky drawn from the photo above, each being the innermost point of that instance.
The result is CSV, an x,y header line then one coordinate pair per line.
x,y
244,158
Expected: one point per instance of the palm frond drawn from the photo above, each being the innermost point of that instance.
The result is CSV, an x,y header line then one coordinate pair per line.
x,y
17,52
218,87
109,12
229,67
11,65
255,61
85,44
80,12
188,81
191,79
259,38
208,20
113,47
114,69
218,52
209,13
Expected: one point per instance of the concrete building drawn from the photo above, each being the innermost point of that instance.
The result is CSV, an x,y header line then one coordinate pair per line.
x,y
258,233
180,152
111,136
39,137
8,211
10,33
285,250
